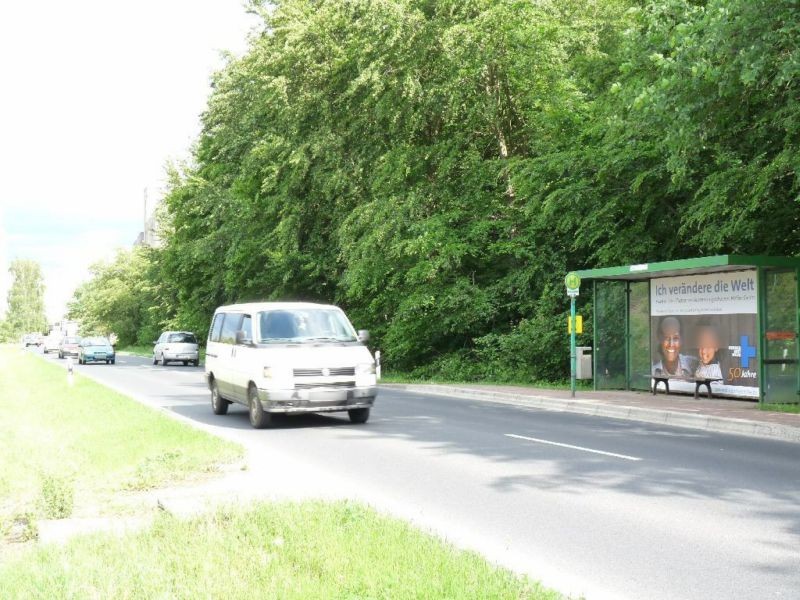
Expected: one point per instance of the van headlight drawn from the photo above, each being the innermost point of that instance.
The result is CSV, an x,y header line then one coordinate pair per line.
x,y
365,369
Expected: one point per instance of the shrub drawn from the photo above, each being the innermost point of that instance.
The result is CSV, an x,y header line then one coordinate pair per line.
x,y
57,499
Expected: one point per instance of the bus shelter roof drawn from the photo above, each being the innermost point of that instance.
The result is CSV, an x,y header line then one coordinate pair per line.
x,y
690,266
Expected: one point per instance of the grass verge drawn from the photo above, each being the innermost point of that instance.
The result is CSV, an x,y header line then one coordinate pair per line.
x,y
785,408
279,550
68,445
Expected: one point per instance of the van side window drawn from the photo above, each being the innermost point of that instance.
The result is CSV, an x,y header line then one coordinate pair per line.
x,y
216,328
229,328
247,327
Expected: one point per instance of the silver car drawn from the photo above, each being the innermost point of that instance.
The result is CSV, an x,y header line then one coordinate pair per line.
x,y
176,346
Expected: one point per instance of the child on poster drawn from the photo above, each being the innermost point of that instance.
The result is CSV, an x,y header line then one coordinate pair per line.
x,y
707,338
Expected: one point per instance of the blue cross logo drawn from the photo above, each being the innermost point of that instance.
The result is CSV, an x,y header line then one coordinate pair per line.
x,y
748,352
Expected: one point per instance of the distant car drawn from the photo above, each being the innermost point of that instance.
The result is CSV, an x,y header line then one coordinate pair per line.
x,y
52,343
96,349
176,346
29,339
69,346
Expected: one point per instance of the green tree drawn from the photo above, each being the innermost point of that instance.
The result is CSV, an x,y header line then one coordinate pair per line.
x,y
25,310
120,298
368,153
693,147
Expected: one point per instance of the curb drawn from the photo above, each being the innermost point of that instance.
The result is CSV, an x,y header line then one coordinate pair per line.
x,y
672,418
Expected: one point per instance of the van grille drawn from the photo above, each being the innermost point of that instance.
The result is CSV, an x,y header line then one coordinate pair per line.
x,y
333,384
334,372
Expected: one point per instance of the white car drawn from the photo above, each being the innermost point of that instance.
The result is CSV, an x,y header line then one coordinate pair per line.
x,y
176,346
52,343
288,357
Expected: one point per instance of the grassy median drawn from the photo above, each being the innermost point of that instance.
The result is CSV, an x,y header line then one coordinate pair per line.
x,y
284,550
66,446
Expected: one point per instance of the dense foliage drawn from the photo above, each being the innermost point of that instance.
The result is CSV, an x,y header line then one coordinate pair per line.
x,y
25,311
436,166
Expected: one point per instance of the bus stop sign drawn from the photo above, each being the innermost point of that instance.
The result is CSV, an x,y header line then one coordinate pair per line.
x,y
573,283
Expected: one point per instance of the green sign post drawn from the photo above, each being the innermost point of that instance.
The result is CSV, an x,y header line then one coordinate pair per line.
x,y
573,283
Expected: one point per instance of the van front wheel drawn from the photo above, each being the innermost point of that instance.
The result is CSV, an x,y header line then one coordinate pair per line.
x,y
358,415
258,418
218,404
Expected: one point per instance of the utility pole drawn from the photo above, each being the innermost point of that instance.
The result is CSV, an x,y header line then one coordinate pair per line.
x,y
573,283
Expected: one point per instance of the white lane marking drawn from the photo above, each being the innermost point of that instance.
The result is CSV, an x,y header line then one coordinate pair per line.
x,y
581,448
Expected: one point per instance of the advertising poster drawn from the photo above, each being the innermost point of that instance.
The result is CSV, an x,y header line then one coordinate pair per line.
x,y
705,326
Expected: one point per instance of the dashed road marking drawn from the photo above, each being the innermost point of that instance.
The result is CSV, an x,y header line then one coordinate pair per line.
x,y
581,448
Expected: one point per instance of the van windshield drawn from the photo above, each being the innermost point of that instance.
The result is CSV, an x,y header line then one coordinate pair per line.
x,y
304,325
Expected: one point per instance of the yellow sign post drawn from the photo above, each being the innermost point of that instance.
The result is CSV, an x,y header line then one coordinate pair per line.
x,y
578,324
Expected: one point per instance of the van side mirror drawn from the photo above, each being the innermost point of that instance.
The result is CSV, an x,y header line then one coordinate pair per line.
x,y
242,340
363,335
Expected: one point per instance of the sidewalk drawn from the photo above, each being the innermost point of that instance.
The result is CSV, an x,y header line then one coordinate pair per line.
x,y
740,417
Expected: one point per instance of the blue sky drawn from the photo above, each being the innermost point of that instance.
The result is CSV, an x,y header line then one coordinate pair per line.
x,y
97,98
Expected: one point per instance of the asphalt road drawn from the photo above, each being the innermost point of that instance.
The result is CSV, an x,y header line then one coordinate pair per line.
x,y
604,507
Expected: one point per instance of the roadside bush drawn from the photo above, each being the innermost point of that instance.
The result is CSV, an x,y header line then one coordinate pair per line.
x,y
535,350
57,497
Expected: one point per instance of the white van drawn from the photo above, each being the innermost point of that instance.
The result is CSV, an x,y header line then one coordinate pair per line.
x,y
288,357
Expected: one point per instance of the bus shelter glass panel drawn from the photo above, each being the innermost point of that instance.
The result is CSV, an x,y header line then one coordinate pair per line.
x,y
639,335
610,332
780,338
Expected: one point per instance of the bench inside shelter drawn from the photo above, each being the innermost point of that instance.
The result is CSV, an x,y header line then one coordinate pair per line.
x,y
698,381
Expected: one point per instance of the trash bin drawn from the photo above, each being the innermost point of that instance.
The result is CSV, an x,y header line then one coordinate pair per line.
x,y
583,362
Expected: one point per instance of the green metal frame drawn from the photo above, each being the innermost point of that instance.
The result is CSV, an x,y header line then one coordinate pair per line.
x,y
627,337
762,326
708,264
594,335
761,303
650,336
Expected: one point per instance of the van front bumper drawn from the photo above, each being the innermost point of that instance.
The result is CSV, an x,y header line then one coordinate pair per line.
x,y
317,399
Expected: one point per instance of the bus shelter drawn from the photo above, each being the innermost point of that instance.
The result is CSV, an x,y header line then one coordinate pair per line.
x,y
733,315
